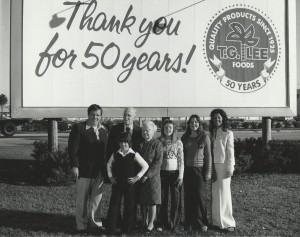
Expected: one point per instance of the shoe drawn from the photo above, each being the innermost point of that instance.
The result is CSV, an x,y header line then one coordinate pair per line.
x,y
159,229
204,228
148,230
81,231
230,229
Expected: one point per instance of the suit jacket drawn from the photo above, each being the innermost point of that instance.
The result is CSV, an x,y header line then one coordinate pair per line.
x,y
113,143
85,151
223,148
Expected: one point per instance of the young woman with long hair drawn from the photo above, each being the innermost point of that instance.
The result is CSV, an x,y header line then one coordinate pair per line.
x,y
197,169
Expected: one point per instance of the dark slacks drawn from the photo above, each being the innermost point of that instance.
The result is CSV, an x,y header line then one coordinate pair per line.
x,y
194,198
113,215
168,179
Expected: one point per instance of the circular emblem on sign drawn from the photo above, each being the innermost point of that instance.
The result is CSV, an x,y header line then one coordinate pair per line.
x,y
242,49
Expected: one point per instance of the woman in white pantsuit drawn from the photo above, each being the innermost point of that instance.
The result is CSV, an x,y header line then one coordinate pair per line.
x,y
223,155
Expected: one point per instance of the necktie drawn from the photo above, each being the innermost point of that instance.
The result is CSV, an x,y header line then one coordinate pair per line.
x,y
97,132
128,130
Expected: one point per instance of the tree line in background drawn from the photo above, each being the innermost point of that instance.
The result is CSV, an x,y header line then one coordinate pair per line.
x,y
251,156
42,125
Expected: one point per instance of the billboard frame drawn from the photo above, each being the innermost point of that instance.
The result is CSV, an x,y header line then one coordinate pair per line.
x,y
16,81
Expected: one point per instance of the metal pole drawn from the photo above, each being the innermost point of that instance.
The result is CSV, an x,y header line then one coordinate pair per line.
x,y
52,135
266,130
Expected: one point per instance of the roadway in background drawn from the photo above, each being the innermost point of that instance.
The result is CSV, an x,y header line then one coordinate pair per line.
x,y
20,145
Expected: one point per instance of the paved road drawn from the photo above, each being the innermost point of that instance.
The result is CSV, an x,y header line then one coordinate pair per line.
x,y
20,145
276,134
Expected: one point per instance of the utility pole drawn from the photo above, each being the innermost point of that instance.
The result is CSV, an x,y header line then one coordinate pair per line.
x,y
52,135
266,130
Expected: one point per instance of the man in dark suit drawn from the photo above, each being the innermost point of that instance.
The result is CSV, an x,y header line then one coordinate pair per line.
x,y
87,154
136,139
126,126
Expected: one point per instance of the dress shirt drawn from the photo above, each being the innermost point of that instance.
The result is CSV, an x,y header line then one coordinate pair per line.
x,y
137,158
96,129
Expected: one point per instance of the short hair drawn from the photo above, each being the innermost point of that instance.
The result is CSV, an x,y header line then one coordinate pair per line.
x,y
125,137
130,109
174,136
150,124
94,107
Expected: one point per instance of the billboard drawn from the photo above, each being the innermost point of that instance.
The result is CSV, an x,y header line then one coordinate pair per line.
x,y
166,58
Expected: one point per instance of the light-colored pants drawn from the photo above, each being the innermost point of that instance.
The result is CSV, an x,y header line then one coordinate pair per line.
x,y
221,199
89,195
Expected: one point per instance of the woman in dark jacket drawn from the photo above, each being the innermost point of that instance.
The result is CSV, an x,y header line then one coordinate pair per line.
x,y
152,152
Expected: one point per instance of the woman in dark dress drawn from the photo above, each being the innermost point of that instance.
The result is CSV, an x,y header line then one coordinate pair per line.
x,y
152,152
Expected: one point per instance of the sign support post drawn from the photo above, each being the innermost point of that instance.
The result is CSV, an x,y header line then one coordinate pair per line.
x,y
266,130
52,135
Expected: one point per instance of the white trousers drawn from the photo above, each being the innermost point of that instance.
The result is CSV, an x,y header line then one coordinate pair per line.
x,y
89,195
221,199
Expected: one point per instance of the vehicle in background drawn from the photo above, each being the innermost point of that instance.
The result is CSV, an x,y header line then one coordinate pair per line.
x,y
8,126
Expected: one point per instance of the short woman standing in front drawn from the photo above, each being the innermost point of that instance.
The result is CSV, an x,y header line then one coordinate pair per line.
x,y
223,152
197,169
152,152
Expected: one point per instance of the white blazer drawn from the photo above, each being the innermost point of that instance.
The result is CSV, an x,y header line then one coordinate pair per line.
x,y
223,148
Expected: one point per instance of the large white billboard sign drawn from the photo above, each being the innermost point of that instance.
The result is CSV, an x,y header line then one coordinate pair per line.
x,y
175,56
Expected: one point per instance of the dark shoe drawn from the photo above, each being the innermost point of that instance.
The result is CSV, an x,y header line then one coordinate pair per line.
x,y
230,229
82,232
101,228
148,230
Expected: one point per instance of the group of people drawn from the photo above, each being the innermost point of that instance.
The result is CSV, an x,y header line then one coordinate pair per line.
x,y
144,169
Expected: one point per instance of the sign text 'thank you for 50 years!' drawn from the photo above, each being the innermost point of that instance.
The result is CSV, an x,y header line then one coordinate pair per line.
x,y
93,21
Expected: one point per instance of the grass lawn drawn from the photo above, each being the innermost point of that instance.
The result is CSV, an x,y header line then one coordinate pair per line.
x,y
264,205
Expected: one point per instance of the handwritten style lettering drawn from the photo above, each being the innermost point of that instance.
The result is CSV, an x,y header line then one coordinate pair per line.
x,y
100,21
58,59
98,54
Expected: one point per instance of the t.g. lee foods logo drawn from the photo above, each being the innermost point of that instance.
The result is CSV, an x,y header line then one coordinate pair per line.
x,y
242,49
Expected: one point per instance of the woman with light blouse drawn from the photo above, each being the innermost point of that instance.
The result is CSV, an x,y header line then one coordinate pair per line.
x,y
171,173
197,170
223,155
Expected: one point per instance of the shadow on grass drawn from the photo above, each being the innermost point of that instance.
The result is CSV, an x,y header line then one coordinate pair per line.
x,y
17,172
38,222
